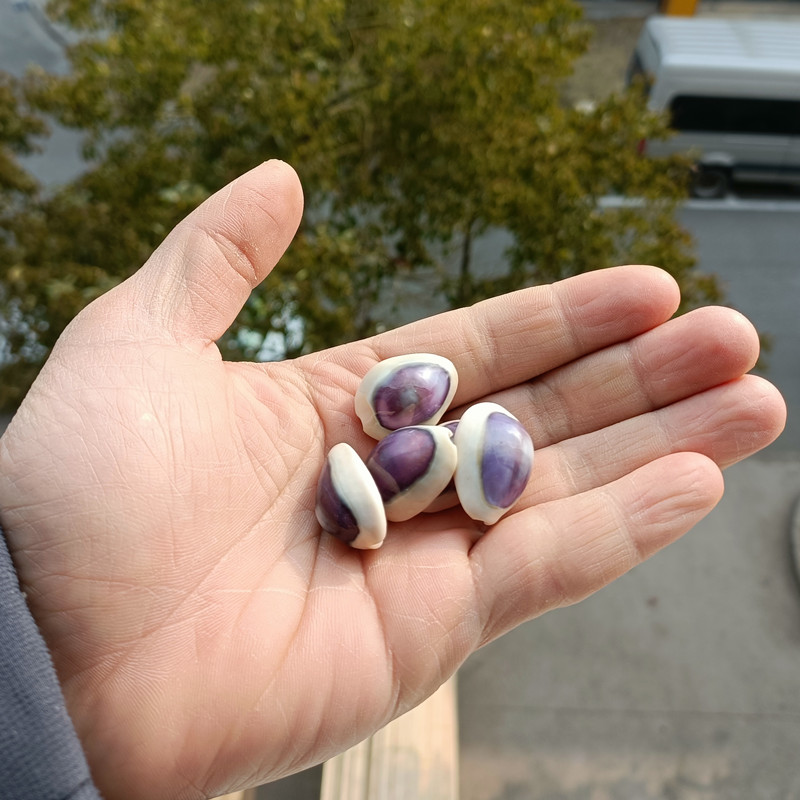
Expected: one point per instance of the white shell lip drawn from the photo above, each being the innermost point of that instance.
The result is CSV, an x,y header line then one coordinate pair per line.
x,y
378,373
356,488
469,442
417,497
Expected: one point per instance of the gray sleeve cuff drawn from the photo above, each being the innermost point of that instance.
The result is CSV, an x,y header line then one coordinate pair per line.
x,y
40,754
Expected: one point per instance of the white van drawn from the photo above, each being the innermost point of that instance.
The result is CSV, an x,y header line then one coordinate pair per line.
x,y
732,89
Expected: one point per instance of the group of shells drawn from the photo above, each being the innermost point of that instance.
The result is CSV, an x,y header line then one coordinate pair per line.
x,y
482,460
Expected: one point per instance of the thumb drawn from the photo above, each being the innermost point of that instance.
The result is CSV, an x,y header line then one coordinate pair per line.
x,y
197,281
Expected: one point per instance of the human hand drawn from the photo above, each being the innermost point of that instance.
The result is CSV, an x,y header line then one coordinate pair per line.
x,y
159,502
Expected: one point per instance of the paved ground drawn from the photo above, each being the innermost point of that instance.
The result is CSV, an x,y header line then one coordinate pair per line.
x,y
679,681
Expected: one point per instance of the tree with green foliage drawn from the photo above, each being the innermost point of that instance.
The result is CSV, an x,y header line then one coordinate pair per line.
x,y
20,347
416,127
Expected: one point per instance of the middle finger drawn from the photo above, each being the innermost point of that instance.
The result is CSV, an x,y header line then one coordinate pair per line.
x,y
725,423
678,359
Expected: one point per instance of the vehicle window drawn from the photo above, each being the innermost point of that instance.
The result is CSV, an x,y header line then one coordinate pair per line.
x,y
736,115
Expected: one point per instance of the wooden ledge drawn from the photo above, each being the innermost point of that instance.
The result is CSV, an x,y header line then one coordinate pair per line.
x,y
415,757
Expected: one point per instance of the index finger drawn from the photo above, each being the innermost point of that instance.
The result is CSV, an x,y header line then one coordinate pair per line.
x,y
510,339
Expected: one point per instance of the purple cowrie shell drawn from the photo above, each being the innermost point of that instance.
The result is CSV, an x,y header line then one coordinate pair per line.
x,y
495,457
411,467
349,505
404,391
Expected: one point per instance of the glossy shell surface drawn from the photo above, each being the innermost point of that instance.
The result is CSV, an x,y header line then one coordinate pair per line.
x,y
349,505
495,457
405,391
411,467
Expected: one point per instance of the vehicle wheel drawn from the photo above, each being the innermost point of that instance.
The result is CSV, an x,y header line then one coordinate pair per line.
x,y
710,183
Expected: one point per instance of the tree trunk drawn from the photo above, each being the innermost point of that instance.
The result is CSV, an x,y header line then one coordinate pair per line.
x,y
464,296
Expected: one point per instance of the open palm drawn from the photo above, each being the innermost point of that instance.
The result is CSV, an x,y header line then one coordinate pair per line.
x,y
159,502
